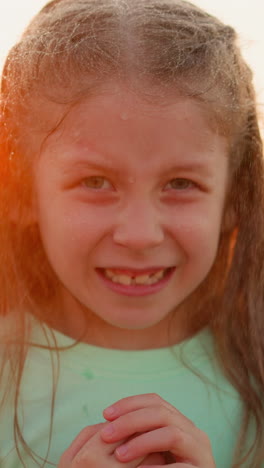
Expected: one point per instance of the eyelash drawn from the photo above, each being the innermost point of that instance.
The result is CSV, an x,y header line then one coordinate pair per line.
x,y
96,178
187,184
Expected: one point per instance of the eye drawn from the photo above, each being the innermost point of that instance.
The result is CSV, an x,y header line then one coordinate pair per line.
x,y
179,184
97,183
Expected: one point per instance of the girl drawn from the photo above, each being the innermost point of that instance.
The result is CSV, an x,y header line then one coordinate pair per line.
x,y
132,256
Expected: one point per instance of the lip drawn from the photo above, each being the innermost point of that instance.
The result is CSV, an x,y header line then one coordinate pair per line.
x,y
137,290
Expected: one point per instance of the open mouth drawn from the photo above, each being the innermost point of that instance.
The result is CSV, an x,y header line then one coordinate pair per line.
x,y
135,279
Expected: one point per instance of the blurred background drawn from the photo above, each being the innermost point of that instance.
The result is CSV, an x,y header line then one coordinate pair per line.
x,y
247,16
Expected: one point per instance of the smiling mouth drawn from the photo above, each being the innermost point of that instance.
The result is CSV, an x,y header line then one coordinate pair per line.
x,y
116,276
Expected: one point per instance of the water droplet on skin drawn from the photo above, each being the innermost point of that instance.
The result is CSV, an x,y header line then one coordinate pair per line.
x,y
76,133
131,180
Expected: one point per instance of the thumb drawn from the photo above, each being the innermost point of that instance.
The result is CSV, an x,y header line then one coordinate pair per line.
x,y
79,441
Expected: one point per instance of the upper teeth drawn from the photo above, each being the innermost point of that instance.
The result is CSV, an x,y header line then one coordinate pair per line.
x,y
139,279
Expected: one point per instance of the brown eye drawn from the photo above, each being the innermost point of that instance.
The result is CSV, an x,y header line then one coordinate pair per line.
x,y
96,183
179,184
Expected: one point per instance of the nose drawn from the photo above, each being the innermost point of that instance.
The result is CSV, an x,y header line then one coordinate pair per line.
x,y
139,227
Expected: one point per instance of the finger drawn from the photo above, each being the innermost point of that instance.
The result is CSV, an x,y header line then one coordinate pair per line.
x,y
79,441
128,404
146,419
95,453
154,459
137,421
174,465
167,439
136,402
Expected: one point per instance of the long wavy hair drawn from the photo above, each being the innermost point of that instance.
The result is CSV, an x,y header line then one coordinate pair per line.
x,y
160,47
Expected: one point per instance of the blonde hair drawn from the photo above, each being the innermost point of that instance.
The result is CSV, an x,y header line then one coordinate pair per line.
x,y
170,46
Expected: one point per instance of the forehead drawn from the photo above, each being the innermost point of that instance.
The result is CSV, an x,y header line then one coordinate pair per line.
x,y
117,110
124,133
127,107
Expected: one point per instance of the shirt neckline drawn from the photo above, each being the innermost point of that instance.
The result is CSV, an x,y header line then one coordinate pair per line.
x,y
81,356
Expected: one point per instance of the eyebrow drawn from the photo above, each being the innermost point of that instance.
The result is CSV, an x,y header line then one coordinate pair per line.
x,y
190,168
79,164
104,162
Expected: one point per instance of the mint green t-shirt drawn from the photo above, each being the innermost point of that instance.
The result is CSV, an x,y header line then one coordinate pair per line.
x,y
92,378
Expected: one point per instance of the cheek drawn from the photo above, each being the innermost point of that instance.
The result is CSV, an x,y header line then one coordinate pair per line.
x,y
198,233
85,225
68,230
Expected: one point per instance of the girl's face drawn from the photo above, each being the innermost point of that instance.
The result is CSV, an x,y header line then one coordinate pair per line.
x,y
129,201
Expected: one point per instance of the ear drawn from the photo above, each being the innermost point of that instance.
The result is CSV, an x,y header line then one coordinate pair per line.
x,y
29,213
229,220
29,216
25,215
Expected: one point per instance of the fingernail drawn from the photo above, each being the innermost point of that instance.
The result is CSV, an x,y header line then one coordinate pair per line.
x,y
110,411
122,450
108,430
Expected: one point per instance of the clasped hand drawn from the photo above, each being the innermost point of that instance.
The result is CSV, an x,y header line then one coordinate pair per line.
x,y
141,431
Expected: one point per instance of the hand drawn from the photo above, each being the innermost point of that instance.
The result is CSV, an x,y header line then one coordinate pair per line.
x,y
155,426
89,451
